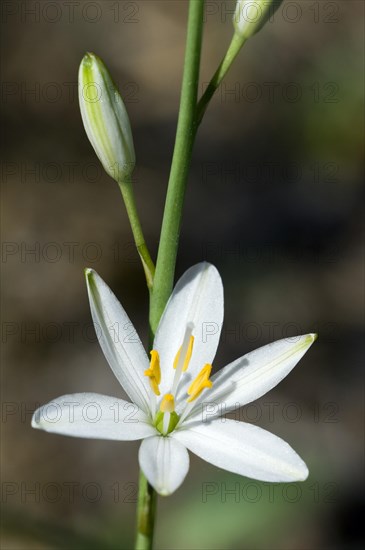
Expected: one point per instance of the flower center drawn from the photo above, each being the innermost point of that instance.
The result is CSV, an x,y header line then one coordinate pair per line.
x,y
166,419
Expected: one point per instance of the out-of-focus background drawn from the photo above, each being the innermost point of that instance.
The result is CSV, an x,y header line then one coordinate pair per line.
x,y
274,201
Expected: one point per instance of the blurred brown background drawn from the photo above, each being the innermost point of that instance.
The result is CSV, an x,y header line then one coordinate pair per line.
x,y
274,201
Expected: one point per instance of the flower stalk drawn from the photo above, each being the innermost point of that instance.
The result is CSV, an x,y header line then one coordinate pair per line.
x,y
146,511
126,188
108,128
226,63
249,18
185,136
165,266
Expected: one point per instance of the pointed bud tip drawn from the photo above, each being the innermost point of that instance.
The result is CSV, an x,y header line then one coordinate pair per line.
x,y
88,272
310,338
88,59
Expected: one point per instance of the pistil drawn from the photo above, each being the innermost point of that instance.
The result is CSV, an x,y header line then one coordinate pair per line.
x,y
167,407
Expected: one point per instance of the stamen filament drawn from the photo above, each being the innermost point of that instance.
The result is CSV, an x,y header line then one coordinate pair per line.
x,y
183,356
153,404
186,412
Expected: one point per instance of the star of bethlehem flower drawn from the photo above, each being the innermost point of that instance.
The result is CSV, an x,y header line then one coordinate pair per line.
x,y
176,404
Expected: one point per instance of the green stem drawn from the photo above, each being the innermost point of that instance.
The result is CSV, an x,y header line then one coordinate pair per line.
x,y
126,188
185,136
147,500
226,63
162,282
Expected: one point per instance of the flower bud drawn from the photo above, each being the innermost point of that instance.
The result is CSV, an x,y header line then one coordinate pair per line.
x,y
105,118
251,15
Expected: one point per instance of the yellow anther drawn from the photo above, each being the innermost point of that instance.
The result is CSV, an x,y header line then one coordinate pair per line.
x,y
177,357
154,372
155,365
189,352
200,383
168,403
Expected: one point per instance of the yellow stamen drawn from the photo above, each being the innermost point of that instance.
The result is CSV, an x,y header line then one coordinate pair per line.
x,y
189,352
200,383
168,403
154,372
177,357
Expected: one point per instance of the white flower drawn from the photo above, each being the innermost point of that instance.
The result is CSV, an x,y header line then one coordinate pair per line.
x,y
105,118
178,406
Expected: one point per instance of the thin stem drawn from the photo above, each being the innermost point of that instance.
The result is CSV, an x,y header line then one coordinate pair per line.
x,y
185,136
126,188
147,500
190,116
147,496
161,284
226,63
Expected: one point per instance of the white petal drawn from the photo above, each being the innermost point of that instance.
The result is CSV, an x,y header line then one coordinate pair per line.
x,y
244,449
93,416
165,463
118,340
197,298
251,376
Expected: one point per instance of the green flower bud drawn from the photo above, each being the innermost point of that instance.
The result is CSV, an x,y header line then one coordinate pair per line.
x,y
251,15
105,118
